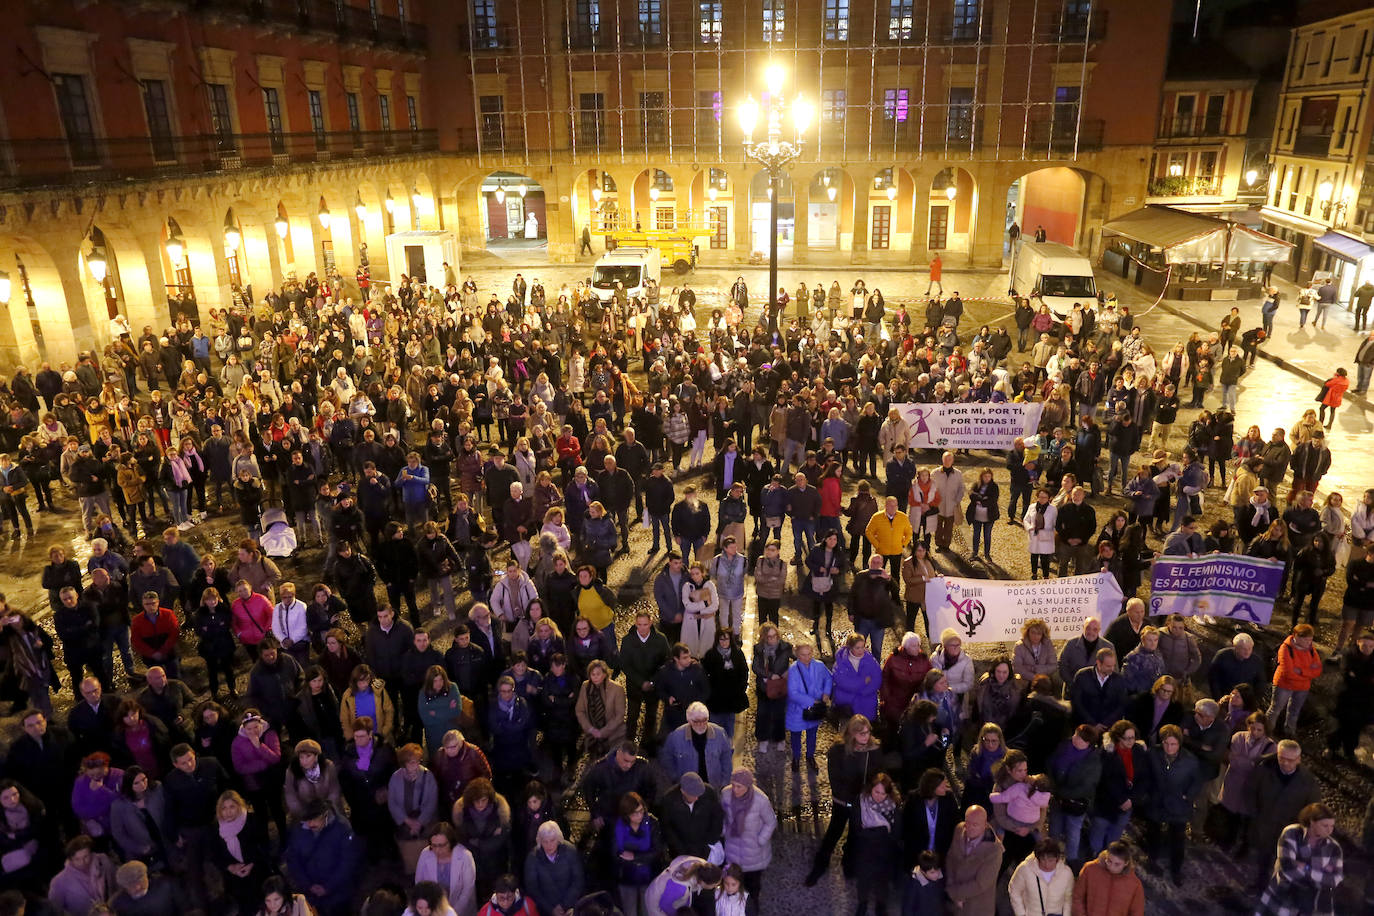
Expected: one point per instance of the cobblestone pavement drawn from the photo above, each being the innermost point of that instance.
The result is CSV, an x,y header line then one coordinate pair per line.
x,y
1213,882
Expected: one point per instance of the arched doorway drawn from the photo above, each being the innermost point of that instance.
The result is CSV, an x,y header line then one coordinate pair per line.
x,y
38,321
713,196
952,206
830,211
1050,199
655,200
761,215
102,268
513,212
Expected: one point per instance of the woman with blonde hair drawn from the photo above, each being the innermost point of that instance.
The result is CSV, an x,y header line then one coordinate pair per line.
x,y
1035,653
241,844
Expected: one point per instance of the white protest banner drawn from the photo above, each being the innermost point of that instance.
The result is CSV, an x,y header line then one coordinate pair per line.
x,y
992,610
971,425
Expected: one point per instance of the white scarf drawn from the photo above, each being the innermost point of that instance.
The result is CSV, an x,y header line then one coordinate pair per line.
x,y
229,832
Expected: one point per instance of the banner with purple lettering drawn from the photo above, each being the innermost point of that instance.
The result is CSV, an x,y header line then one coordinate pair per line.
x,y
969,425
992,610
1217,585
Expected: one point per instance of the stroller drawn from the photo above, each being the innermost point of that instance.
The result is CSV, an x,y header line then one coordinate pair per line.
x,y
278,537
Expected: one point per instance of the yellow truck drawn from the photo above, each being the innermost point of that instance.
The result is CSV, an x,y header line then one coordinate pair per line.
x,y
675,248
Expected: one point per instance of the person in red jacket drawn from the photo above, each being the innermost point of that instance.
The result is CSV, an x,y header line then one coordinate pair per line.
x,y
903,673
1333,390
153,635
506,900
252,617
1109,886
1299,664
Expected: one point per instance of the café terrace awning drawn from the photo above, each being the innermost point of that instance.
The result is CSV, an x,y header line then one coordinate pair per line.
x,y
1192,238
1344,247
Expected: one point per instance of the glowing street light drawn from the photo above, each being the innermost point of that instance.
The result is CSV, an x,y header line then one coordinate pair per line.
x,y
176,250
389,203
359,207
282,227
97,263
774,153
951,191
1251,176
324,215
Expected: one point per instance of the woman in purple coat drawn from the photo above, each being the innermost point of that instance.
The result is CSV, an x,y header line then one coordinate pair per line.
x,y
857,679
95,790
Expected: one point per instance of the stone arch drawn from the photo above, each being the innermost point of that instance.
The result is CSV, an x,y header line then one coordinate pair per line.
x,y
425,207
35,326
951,213
1052,195
505,211
135,276
760,213
335,249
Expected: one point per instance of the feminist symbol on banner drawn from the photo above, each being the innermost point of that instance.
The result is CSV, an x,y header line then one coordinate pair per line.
x,y
969,613
922,427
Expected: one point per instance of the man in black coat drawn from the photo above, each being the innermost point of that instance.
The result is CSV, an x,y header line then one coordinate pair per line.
x,y
617,495
192,788
384,645
1098,695
633,458
612,777
92,719
42,759
692,817
680,683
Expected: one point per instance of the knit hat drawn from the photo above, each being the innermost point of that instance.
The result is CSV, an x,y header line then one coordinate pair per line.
x,y
691,784
949,633
743,776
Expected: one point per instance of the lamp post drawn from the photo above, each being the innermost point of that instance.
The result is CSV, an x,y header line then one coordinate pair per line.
x,y
773,153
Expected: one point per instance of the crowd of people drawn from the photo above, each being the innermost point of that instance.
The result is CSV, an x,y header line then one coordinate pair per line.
x,y
565,754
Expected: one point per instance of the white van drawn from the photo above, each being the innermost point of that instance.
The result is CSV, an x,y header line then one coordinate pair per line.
x,y
1054,274
631,266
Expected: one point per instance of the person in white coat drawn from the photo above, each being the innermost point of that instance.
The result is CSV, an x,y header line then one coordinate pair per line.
x,y
700,602
446,856
1039,524
1042,884
949,484
957,666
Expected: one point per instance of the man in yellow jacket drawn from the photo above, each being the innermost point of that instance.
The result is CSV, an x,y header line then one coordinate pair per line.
x,y
889,532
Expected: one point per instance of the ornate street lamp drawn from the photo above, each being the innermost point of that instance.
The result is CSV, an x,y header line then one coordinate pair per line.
x,y
176,246
774,153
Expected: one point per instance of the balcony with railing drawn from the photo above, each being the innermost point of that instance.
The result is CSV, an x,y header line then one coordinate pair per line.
x,y
1184,186
1064,136
478,37
345,21
1072,28
1312,144
53,161
1191,127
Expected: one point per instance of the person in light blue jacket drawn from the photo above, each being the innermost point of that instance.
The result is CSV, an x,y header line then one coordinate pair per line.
x,y
808,682
413,482
679,753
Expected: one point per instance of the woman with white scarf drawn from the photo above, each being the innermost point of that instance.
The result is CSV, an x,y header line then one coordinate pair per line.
x,y
241,849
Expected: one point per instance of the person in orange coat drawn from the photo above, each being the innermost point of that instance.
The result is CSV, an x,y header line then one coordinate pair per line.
x,y
1299,664
1333,390
1109,886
